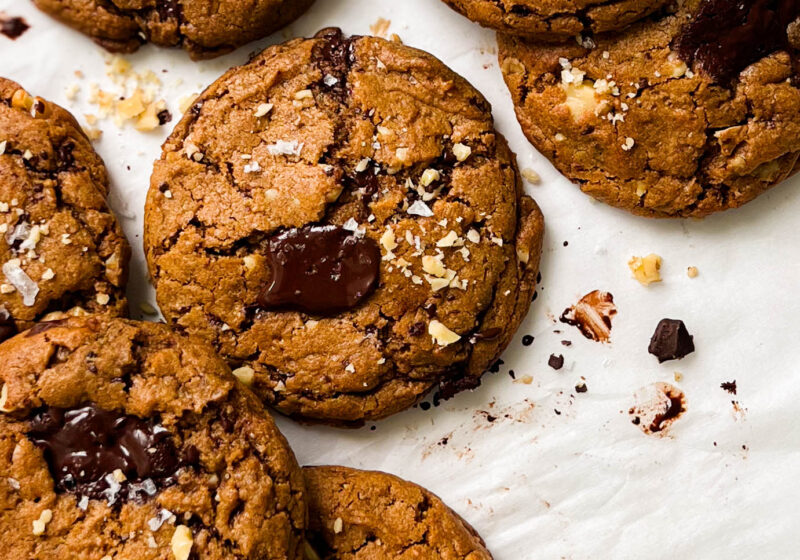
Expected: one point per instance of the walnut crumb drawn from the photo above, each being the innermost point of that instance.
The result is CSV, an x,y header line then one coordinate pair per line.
x,y
646,269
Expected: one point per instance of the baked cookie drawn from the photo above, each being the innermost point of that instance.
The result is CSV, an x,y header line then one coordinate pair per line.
x,y
357,514
61,248
555,19
204,28
341,220
121,439
684,114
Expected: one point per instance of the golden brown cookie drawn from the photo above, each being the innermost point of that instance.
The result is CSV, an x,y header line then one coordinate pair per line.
x,y
204,28
341,220
683,114
61,248
355,515
548,20
121,439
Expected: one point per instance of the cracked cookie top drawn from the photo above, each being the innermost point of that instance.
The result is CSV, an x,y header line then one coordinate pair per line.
x,y
61,248
122,439
555,19
686,113
204,28
431,253
362,514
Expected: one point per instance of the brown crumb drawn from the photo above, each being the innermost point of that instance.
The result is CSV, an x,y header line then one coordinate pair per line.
x,y
380,27
692,272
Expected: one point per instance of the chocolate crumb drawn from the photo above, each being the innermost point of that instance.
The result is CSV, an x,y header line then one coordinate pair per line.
x,y
566,342
13,27
425,405
556,362
729,386
671,341
164,117
527,340
581,388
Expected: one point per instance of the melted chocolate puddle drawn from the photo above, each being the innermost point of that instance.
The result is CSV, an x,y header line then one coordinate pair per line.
x,y
658,406
592,315
105,455
320,269
13,27
726,36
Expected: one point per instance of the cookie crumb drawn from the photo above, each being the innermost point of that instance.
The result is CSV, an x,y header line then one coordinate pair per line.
x,y
692,272
531,176
380,27
646,269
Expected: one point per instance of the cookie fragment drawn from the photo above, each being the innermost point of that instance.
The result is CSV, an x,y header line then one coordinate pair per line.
x,y
671,341
382,516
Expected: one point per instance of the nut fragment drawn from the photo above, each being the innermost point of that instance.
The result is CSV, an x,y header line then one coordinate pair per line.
x,y
441,334
646,269
39,525
338,525
181,542
692,272
245,374
21,99
461,151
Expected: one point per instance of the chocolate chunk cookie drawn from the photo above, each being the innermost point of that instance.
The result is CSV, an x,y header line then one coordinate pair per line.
x,y
684,114
204,28
121,439
341,220
555,19
361,514
61,248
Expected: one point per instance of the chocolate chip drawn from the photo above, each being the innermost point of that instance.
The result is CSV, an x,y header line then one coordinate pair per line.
x,y
488,334
671,341
320,269
726,36
556,362
44,326
85,446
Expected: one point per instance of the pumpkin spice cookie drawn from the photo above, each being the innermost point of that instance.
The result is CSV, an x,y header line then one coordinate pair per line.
x,y
341,220
686,113
555,19
362,514
121,439
61,248
204,28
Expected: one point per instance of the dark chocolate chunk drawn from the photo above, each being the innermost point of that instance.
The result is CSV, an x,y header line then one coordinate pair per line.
x,y
334,56
726,36
556,362
671,341
44,326
86,446
581,387
488,334
13,27
7,326
320,269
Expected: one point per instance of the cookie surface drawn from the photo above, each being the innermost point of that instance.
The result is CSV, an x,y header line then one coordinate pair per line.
x,y
356,514
554,19
204,28
655,120
61,248
122,439
376,170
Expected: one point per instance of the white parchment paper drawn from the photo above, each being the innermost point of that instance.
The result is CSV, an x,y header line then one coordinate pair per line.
x,y
585,483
